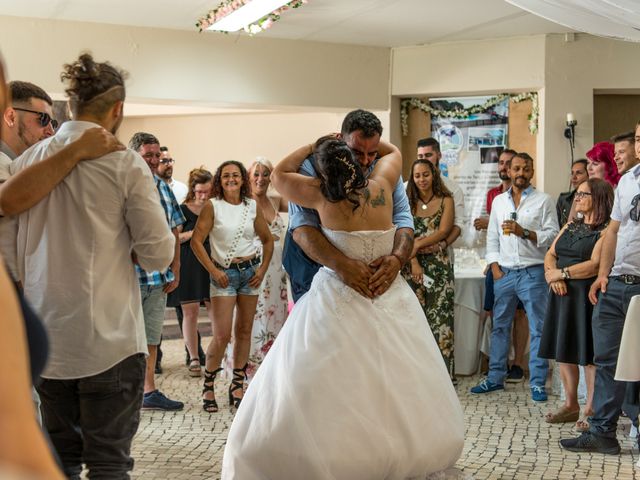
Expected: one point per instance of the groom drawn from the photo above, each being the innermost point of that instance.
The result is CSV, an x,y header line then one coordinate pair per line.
x,y
306,249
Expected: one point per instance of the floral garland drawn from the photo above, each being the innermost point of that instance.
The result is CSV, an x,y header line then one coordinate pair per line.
x,y
227,7
408,103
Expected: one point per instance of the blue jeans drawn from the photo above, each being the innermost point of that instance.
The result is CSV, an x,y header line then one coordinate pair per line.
x,y
607,324
528,286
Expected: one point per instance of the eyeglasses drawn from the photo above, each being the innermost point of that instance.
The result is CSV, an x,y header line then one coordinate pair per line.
x,y
44,117
582,195
634,214
167,161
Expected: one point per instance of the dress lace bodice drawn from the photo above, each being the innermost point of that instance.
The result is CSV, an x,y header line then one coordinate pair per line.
x,y
365,245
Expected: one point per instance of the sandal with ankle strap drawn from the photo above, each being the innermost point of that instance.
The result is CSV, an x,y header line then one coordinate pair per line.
x,y
237,383
210,406
195,368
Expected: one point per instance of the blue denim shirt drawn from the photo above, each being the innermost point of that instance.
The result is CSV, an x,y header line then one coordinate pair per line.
x,y
301,269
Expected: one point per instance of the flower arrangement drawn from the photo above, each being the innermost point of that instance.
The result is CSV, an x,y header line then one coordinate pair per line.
x,y
408,103
226,7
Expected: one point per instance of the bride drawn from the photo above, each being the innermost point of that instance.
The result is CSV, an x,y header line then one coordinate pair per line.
x,y
353,388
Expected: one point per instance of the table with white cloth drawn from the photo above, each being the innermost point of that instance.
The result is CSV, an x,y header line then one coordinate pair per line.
x,y
628,369
468,318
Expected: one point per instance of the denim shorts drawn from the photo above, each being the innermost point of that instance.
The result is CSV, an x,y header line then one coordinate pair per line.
x,y
238,283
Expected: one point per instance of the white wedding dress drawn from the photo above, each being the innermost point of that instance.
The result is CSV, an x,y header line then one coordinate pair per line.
x,y
352,389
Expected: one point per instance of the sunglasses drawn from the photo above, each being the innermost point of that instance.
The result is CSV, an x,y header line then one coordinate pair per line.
x,y
44,117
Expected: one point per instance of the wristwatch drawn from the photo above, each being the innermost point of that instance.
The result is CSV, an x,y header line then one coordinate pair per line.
x,y
525,233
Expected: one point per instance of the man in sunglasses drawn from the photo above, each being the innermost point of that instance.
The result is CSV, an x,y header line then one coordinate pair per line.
x,y
617,282
28,120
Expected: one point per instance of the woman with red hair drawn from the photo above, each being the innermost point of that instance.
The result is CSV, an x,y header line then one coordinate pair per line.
x,y
601,163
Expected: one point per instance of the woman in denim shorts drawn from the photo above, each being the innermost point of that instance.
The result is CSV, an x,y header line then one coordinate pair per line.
x,y
231,221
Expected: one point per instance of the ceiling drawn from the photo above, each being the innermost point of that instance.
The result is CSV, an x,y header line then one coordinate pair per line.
x,y
385,23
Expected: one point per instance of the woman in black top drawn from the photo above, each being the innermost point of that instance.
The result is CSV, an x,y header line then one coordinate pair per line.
x,y
571,265
194,278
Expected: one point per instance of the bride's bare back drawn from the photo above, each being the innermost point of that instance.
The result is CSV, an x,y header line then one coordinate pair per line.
x,y
374,207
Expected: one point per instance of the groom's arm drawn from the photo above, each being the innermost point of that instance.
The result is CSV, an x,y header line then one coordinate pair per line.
x,y
304,224
315,245
388,266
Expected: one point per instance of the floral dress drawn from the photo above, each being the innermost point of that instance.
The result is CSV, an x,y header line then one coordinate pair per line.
x,y
437,300
272,308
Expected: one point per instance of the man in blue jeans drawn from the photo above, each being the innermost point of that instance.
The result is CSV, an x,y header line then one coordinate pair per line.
x,y
618,281
522,226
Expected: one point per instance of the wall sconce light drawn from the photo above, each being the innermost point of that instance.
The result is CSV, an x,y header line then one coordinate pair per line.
x,y
570,132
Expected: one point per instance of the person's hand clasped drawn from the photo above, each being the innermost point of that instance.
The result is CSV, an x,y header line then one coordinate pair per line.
x,y
553,275
356,275
97,142
386,270
559,287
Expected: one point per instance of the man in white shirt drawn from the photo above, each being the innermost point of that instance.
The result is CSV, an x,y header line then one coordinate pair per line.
x,y
25,122
165,172
429,149
625,152
75,250
618,281
522,226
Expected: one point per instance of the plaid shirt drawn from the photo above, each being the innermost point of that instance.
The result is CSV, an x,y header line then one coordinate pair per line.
x,y
175,218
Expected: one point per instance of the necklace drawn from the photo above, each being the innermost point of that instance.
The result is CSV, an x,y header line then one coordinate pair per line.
x,y
424,204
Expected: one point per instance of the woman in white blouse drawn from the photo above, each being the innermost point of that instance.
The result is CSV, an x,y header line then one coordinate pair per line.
x,y
231,220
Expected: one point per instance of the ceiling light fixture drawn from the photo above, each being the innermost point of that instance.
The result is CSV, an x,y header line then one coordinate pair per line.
x,y
253,16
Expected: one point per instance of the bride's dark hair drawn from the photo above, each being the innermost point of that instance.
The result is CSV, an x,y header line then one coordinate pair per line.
x,y
340,174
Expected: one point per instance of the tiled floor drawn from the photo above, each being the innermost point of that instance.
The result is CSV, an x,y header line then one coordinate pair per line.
x,y
506,437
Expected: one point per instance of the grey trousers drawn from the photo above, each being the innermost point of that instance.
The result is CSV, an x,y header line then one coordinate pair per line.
x,y
608,321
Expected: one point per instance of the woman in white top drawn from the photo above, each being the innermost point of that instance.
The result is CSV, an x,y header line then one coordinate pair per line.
x,y
231,220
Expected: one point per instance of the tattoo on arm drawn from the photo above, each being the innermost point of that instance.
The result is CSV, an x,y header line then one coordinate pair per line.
x,y
403,244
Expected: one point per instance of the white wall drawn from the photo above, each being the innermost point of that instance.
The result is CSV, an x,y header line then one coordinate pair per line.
x,y
211,139
565,74
202,68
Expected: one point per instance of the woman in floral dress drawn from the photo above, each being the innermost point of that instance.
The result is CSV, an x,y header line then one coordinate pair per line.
x,y
430,271
272,309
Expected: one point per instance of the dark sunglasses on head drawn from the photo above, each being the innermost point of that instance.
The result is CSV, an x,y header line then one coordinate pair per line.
x,y
44,117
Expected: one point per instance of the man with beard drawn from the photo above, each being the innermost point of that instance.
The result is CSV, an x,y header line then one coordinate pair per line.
x,y
515,373
75,250
521,227
306,249
165,172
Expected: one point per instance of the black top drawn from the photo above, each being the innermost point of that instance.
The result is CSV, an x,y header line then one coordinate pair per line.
x,y
563,207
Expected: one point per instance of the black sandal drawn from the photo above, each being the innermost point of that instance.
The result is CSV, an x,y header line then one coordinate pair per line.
x,y
237,383
210,406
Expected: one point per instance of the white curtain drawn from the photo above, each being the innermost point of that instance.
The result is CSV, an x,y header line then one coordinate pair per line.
x,y
607,18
